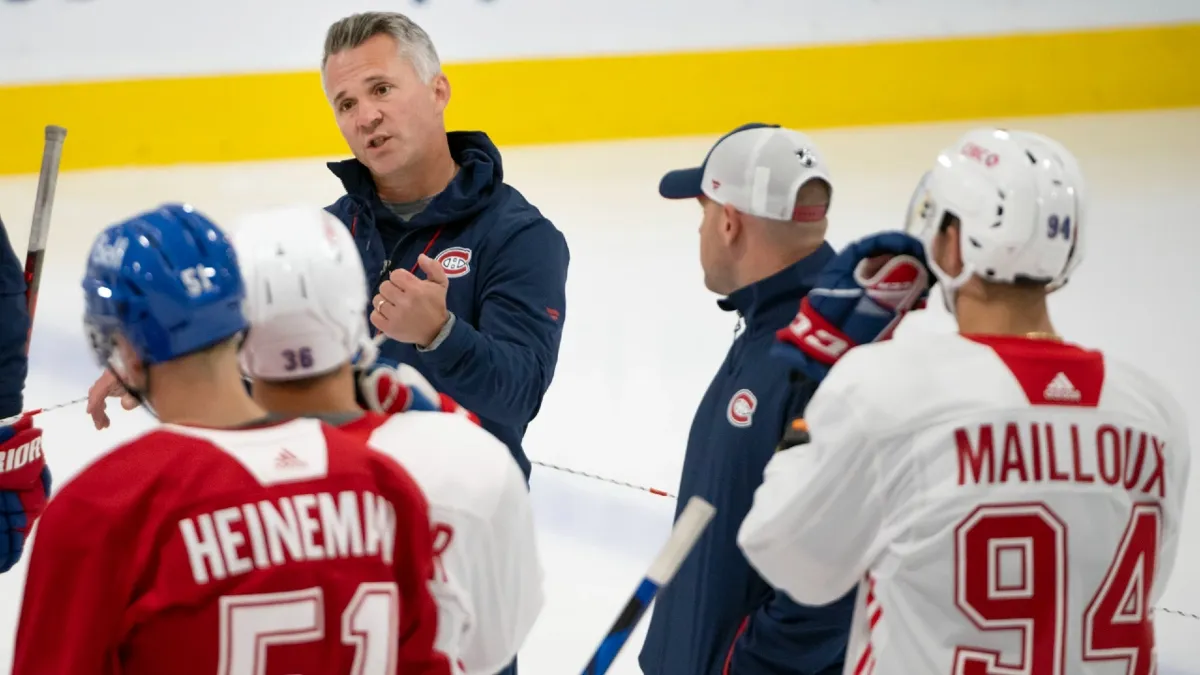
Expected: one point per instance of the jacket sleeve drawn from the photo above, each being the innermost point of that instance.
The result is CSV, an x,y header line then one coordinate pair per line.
x,y
783,636
14,364
814,525
501,369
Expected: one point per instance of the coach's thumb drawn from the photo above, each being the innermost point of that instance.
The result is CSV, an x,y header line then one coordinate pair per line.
x,y
433,270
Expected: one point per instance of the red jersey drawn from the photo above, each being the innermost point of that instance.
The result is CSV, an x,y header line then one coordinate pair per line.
x,y
274,550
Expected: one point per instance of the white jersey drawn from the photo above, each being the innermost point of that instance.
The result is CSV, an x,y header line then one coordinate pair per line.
x,y
1009,505
489,584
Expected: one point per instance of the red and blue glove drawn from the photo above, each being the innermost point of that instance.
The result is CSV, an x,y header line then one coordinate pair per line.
x,y
24,485
860,297
393,389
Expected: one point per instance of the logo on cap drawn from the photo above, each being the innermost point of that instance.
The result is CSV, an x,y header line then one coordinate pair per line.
x,y
807,158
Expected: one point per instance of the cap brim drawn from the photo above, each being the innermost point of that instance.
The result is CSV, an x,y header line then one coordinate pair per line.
x,y
682,184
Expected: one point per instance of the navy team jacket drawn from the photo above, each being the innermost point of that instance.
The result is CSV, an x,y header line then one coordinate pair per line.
x,y
717,615
14,329
508,270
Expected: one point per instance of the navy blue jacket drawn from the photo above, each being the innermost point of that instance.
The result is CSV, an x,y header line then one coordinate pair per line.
x,y
14,329
717,615
508,269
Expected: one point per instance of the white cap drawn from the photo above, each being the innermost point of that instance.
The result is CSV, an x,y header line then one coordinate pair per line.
x,y
757,169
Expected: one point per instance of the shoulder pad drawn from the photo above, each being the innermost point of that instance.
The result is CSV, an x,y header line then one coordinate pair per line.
x,y
796,433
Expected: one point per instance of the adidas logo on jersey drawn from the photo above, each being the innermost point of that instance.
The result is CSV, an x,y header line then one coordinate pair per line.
x,y
1061,389
287,460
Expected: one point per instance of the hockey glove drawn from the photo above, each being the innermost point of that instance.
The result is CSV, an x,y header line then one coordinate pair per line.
x,y
24,486
860,297
400,388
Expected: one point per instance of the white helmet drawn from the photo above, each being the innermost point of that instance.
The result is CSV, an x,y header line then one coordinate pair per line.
x,y
306,294
1019,200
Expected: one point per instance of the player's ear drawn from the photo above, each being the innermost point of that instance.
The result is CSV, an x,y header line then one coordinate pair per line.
x,y
732,224
126,363
947,246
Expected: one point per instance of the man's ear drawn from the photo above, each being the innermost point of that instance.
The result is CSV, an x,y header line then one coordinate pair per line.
x,y
441,91
947,250
734,223
127,364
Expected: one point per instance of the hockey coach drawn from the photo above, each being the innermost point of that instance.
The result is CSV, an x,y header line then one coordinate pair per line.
x,y
468,278
764,191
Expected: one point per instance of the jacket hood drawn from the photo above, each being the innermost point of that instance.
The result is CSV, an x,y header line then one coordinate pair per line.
x,y
472,189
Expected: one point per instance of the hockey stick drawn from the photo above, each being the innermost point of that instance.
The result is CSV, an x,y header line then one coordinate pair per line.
x,y
40,231
695,517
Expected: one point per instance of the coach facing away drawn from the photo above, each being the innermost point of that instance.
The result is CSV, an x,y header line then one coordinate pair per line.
x,y
764,191
468,277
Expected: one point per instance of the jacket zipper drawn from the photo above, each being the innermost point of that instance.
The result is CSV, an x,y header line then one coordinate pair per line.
x,y
383,273
734,350
387,263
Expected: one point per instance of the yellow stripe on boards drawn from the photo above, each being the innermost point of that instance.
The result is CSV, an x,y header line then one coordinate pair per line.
x,y
284,115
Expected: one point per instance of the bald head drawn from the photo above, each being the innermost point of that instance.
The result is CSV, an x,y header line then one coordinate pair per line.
x,y
799,236
737,249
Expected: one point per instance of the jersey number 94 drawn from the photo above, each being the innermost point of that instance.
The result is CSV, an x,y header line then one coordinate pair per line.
x,y
1116,626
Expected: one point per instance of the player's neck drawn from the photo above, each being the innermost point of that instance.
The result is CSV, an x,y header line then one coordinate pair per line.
x,y
768,261
332,393
199,395
1016,315
412,184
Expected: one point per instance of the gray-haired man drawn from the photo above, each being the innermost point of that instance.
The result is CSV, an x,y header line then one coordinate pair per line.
x,y
468,277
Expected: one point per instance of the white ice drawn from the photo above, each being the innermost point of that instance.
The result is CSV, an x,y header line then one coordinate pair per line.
x,y
643,337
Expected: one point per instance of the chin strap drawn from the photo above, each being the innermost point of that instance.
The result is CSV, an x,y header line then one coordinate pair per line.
x,y
115,365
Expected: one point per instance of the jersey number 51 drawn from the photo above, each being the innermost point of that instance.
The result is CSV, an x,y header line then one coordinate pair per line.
x,y
251,623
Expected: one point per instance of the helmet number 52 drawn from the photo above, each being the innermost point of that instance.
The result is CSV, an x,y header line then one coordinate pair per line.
x,y
195,280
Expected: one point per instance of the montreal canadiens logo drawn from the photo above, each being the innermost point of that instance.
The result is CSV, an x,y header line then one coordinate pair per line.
x,y
456,261
741,408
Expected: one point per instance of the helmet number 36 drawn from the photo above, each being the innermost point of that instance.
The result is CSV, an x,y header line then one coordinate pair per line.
x,y
196,280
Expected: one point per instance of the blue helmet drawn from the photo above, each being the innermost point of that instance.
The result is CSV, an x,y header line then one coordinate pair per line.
x,y
168,280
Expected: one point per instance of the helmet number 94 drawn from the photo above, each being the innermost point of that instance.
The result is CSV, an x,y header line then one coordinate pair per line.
x,y
196,280
1057,228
